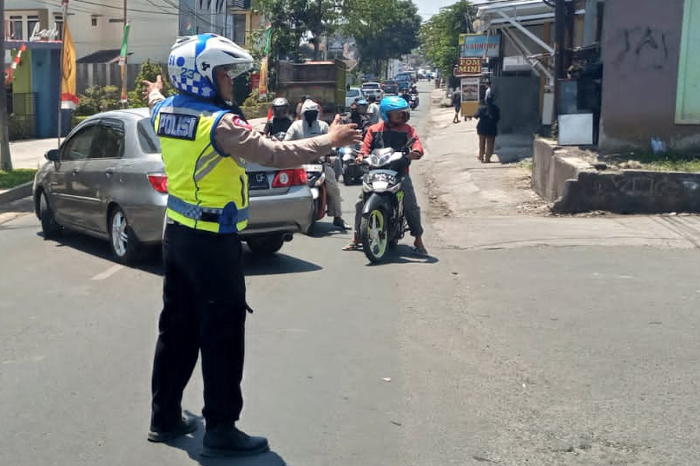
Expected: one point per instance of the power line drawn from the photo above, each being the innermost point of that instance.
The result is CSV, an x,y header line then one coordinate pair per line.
x,y
131,9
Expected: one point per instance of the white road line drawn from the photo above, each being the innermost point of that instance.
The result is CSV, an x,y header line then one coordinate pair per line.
x,y
108,273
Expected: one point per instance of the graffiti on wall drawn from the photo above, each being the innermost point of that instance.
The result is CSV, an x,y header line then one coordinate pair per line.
x,y
642,49
646,185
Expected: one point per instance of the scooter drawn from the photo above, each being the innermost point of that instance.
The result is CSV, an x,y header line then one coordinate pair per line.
x,y
317,183
383,222
352,172
413,103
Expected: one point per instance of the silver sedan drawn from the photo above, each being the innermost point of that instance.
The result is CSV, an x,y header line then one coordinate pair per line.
x,y
107,180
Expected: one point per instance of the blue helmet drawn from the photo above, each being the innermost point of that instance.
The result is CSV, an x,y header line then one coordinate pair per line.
x,y
393,104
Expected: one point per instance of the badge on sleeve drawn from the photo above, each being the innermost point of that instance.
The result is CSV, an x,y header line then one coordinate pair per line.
x,y
241,123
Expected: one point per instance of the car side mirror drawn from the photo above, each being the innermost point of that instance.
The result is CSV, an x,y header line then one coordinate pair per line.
x,y
52,155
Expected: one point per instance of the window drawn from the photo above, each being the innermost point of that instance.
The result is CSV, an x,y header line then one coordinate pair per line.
x,y
78,147
93,20
353,93
239,32
58,22
147,137
32,23
16,28
109,143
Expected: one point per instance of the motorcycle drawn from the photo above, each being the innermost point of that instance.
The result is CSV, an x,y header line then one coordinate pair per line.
x,y
383,222
352,172
413,102
317,183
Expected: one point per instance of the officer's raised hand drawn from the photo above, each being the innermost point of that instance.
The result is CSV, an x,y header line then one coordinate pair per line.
x,y
149,86
343,135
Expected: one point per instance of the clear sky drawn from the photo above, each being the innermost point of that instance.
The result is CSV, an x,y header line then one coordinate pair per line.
x,y
427,8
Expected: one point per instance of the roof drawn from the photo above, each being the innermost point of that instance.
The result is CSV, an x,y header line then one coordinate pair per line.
x,y
101,56
527,12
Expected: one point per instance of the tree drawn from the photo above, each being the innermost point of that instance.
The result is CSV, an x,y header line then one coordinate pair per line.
x,y
291,20
383,29
439,35
149,71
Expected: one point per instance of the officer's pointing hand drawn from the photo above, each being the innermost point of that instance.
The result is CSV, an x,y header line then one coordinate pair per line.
x,y
149,86
343,135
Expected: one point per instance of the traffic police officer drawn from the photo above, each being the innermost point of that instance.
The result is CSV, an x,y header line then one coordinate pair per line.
x,y
205,143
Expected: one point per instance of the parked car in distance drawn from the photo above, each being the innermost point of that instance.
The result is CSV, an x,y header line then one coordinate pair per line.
x,y
391,87
351,94
107,180
372,88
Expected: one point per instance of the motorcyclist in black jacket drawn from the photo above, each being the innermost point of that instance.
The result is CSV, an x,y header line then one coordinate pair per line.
x,y
281,120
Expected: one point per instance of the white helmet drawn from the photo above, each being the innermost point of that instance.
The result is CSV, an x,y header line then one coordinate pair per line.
x,y
193,59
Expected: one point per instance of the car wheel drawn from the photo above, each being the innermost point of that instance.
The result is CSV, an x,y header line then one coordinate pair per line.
x,y
265,245
49,226
122,241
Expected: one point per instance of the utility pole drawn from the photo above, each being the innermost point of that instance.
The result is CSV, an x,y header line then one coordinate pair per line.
x,y
560,40
125,71
5,158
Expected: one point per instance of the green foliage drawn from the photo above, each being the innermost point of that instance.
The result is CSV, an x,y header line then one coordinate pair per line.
x,y
98,99
13,178
293,19
382,29
19,126
439,35
149,72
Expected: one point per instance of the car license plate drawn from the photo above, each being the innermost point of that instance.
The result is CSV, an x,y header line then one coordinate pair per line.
x,y
258,181
314,168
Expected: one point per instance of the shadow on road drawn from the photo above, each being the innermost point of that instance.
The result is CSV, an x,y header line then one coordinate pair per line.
x,y
152,261
404,254
192,445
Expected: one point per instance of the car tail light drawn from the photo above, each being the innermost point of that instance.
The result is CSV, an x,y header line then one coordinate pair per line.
x,y
159,182
287,178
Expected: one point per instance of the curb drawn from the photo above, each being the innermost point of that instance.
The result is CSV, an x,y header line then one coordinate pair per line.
x,y
17,193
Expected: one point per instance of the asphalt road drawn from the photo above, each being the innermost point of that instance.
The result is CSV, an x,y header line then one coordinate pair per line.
x,y
538,354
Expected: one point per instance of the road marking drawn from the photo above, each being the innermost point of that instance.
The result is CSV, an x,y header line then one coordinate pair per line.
x,y
108,273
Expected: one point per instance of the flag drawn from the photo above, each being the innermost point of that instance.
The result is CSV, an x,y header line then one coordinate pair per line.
x,y
262,86
69,100
268,38
122,59
9,75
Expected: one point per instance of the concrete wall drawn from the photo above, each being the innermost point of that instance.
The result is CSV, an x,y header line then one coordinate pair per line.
x,y
641,51
518,99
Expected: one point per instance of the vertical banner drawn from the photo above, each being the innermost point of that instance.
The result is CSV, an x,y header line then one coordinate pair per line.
x,y
9,75
122,60
69,99
264,66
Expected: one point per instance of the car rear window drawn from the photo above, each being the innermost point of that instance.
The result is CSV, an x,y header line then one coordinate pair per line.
x,y
148,140
371,86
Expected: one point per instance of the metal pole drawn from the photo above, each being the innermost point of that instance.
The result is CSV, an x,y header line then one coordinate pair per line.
x,y
560,39
125,71
5,158
60,89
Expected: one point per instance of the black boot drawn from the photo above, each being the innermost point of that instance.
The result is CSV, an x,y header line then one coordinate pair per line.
x,y
184,427
229,441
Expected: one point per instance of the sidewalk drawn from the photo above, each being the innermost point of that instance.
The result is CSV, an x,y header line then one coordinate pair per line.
x,y
475,206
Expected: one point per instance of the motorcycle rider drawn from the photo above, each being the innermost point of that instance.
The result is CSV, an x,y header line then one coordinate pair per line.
x,y
205,142
373,110
394,132
358,115
406,96
308,127
281,120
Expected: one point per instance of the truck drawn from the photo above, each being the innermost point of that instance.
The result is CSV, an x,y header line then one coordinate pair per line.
x,y
323,81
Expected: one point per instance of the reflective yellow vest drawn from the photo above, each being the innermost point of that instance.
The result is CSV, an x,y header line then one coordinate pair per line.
x,y
207,190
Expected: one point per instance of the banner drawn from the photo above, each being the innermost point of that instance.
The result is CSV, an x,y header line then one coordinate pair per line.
x,y
474,45
262,86
10,74
122,59
470,89
69,99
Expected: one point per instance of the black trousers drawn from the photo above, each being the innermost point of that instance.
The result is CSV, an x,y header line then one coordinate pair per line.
x,y
204,309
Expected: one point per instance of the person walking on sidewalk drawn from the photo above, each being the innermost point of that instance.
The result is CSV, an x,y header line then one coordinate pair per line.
x,y
206,142
456,103
487,128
